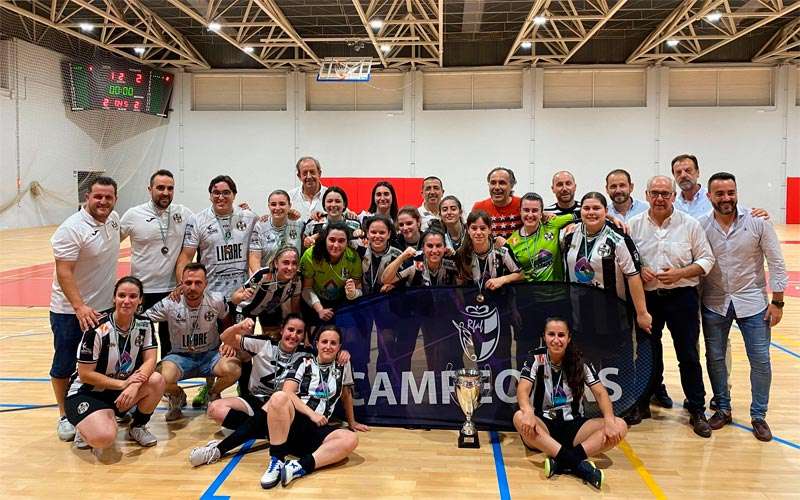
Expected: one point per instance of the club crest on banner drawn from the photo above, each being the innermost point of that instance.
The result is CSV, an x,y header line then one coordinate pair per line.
x,y
479,331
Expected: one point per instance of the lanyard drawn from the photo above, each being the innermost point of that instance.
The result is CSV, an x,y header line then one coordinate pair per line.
x,y
226,234
535,245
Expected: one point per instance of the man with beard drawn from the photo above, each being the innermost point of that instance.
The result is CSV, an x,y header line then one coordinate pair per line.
x,y
619,188
432,192
194,325
736,289
563,187
306,199
86,250
503,208
156,231
693,198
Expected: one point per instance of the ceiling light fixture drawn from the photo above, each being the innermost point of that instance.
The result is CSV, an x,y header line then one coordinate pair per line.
x,y
539,20
214,26
714,16
86,27
376,24
139,50
672,43
525,45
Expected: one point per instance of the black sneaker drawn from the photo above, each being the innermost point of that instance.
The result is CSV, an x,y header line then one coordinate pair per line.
x,y
633,417
590,474
551,467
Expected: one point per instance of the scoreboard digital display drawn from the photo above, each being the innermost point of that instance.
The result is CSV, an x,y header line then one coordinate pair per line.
x,y
104,86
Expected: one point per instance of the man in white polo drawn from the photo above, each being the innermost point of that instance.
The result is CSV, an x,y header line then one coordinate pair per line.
x,y
86,250
306,199
432,192
156,231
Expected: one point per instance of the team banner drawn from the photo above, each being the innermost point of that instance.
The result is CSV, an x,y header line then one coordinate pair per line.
x,y
407,345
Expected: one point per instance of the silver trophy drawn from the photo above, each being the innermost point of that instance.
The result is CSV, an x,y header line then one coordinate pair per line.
x,y
469,389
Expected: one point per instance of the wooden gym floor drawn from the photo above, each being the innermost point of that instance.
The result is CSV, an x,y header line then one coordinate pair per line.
x,y
660,458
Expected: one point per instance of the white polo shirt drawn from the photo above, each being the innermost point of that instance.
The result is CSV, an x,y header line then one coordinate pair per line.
x,y
427,216
94,247
150,230
304,206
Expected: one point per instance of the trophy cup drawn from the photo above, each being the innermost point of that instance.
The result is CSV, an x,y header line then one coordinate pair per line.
x,y
468,385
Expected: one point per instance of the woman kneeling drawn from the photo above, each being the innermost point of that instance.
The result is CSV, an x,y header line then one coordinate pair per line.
x,y
116,360
554,422
298,415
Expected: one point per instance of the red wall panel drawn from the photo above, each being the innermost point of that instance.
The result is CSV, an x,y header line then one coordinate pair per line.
x,y
793,200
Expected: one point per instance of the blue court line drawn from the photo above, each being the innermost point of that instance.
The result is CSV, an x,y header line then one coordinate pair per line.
x,y
210,493
499,466
13,405
784,349
786,442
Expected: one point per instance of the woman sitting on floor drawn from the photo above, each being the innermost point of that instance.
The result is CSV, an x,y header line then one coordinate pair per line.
x,y
552,421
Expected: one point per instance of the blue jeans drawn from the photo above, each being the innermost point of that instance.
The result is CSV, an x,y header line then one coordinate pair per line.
x,y
756,334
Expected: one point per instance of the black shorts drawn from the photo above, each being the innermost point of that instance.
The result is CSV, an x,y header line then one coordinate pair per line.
x,y
254,402
564,431
81,405
305,436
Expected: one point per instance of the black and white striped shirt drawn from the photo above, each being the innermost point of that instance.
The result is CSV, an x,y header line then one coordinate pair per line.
x,y
556,396
115,353
320,385
373,265
270,294
271,365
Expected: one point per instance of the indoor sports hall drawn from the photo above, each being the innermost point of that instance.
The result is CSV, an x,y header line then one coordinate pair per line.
x,y
406,93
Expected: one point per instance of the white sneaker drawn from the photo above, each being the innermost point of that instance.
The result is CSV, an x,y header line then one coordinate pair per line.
x,y
174,412
79,442
272,476
293,470
142,436
205,455
66,431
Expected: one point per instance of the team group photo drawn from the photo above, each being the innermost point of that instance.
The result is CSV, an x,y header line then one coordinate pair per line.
x,y
276,248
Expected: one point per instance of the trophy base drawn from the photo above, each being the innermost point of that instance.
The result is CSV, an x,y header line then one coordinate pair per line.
x,y
468,440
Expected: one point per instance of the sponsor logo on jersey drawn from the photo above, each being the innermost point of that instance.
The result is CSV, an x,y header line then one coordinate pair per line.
x,y
241,226
177,218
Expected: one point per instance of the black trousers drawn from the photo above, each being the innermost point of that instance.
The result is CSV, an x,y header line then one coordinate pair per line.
x,y
677,309
149,300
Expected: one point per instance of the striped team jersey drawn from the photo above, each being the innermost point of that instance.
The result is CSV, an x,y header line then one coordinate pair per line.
x,y
191,329
320,385
373,265
552,397
418,274
270,294
602,261
223,244
270,365
115,353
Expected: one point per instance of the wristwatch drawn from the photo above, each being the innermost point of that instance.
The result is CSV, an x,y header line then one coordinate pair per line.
x,y
777,303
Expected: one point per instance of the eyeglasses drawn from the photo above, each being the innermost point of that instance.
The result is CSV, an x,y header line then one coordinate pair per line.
x,y
219,194
660,194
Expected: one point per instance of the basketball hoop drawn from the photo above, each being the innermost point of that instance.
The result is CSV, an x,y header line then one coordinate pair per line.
x,y
345,69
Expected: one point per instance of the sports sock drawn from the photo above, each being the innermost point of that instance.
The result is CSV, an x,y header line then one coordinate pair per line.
x,y
279,451
253,427
566,458
308,463
234,419
140,419
579,453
